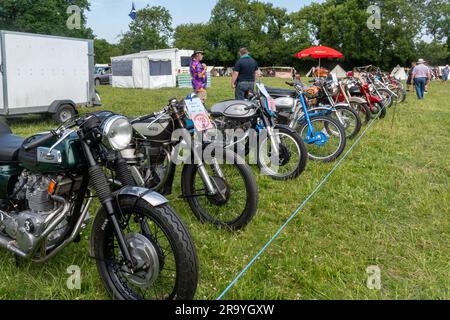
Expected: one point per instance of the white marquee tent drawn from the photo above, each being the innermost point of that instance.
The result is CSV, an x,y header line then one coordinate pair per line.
x,y
149,69
339,72
311,72
399,73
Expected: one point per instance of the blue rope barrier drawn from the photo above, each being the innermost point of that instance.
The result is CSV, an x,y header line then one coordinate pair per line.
x,y
275,236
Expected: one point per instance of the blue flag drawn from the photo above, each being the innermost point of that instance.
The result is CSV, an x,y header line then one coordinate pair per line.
x,y
133,12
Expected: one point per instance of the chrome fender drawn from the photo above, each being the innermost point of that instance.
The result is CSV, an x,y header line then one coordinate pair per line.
x,y
337,105
151,197
357,100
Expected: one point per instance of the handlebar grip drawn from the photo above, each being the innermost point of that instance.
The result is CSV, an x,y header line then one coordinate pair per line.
x,y
39,141
291,84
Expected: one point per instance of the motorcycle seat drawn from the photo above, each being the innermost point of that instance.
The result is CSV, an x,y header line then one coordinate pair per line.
x,y
4,128
277,92
10,145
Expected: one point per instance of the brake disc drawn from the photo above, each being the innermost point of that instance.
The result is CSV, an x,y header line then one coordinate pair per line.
x,y
217,198
285,155
147,262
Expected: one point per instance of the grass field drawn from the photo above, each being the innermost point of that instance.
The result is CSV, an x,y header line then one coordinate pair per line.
x,y
388,205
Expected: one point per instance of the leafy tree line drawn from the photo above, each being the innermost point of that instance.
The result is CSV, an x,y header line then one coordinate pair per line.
x,y
271,33
274,36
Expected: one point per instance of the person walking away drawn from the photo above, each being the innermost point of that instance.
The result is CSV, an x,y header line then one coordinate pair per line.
x,y
409,81
199,75
445,73
244,75
421,77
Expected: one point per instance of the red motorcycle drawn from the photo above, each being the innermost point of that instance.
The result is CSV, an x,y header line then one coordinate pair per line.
x,y
356,91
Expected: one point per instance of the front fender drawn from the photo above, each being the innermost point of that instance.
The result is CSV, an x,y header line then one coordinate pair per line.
x,y
345,105
284,127
153,198
358,100
374,99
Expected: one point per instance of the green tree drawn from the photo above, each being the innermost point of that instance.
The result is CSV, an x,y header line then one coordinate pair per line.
x,y
437,19
191,36
152,29
343,25
42,16
243,23
104,51
436,53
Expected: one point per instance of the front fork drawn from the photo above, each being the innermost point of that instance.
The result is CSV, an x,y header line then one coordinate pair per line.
x,y
100,182
311,131
211,187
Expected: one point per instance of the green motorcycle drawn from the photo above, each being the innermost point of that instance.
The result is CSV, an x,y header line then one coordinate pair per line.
x,y
142,249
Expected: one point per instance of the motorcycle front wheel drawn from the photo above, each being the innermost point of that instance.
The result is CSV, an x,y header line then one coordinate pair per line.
x,y
160,244
379,109
363,111
291,158
330,138
349,119
388,98
236,199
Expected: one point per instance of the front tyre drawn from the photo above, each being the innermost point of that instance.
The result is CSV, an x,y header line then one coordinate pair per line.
x,y
235,205
161,245
379,109
349,119
291,159
328,140
363,111
387,98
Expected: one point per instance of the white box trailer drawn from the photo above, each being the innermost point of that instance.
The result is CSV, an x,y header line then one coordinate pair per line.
x,y
45,74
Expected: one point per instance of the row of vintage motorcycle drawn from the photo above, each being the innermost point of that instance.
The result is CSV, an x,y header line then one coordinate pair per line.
x,y
141,247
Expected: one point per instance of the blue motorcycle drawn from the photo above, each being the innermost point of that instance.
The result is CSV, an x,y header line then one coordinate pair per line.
x,y
324,136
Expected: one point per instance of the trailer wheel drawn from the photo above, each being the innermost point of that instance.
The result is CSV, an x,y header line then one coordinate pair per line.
x,y
64,113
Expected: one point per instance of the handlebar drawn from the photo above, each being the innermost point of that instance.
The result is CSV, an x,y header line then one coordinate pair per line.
x,y
39,141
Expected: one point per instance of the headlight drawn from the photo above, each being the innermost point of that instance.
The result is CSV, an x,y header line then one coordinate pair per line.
x,y
117,132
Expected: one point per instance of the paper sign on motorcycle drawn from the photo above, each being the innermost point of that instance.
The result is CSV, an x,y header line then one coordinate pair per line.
x,y
271,104
198,114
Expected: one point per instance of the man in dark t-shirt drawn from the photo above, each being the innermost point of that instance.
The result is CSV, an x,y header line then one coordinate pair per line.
x,y
244,75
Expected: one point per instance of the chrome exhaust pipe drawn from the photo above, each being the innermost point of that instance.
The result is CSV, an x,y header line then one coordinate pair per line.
x,y
9,245
73,235
55,219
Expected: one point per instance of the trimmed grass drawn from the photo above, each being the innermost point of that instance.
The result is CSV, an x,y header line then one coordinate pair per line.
x,y
387,205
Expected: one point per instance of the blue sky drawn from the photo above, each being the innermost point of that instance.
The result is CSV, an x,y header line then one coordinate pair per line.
x,y
109,18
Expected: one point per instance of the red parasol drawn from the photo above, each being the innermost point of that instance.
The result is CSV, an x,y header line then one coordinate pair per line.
x,y
319,53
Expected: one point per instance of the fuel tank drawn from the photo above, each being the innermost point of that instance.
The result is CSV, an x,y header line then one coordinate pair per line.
x,y
236,109
158,129
66,156
285,104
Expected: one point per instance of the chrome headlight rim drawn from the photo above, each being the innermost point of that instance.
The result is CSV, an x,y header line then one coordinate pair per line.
x,y
108,130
